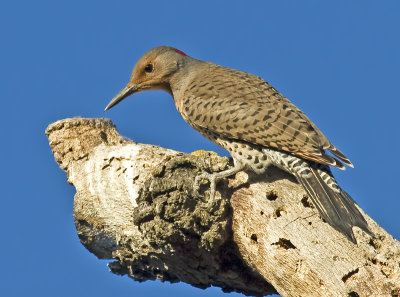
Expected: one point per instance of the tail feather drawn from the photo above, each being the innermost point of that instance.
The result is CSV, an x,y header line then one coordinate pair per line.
x,y
340,155
336,207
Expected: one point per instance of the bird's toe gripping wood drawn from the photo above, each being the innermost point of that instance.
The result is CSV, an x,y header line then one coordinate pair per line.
x,y
211,178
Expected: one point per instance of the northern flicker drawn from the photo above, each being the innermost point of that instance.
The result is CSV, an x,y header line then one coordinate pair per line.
x,y
257,125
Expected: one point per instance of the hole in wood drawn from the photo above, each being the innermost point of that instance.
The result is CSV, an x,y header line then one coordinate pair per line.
x,y
284,243
306,202
253,237
272,195
279,212
350,274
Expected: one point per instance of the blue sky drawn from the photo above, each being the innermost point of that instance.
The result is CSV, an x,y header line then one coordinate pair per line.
x,y
337,60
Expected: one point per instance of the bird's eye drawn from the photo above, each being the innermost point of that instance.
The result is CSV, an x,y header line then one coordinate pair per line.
x,y
148,68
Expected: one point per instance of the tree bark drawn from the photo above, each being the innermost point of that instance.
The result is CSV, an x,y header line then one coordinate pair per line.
x,y
135,204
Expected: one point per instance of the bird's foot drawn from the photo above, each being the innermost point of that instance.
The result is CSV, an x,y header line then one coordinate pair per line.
x,y
211,178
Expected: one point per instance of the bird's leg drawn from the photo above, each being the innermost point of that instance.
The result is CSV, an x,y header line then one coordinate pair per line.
x,y
213,178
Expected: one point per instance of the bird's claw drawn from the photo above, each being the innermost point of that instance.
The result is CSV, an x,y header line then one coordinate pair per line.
x,y
211,178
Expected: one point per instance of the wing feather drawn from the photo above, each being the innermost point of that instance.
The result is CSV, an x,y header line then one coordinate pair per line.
x,y
241,106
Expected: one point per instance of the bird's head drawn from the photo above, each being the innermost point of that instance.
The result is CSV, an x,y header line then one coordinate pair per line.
x,y
152,72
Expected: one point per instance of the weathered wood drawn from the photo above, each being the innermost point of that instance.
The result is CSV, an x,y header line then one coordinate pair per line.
x,y
135,203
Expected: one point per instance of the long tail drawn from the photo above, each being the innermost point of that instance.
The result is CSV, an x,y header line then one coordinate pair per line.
x,y
335,206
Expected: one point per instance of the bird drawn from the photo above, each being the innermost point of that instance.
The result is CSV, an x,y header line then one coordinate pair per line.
x,y
256,124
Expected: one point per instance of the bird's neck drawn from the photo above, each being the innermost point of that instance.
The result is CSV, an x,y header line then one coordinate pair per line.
x,y
184,76
180,80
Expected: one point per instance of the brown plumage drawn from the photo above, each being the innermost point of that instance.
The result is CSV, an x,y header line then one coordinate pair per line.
x,y
253,112
255,123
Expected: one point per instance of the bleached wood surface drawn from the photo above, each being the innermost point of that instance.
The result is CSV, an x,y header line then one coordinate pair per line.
x,y
135,204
